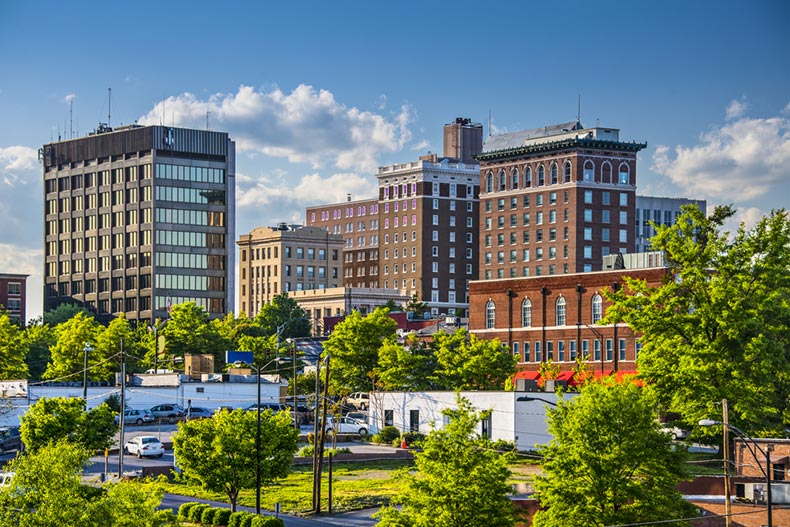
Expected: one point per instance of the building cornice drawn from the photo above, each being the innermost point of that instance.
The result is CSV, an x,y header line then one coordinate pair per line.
x,y
562,144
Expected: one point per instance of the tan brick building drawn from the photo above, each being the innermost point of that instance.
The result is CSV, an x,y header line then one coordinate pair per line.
x,y
555,317
273,260
555,200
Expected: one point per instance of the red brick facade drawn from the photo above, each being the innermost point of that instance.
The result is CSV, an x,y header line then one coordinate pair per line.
x,y
527,314
12,294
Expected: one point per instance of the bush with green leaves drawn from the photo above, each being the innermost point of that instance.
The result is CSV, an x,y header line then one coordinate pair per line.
x,y
183,510
221,516
196,512
386,436
207,517
267,521
413,439
236,518
502,445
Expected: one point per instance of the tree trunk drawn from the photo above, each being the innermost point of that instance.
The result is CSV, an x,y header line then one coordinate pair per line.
x,y
232,497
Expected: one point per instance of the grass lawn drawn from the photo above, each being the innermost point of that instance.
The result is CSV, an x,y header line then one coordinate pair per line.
x,y
356,486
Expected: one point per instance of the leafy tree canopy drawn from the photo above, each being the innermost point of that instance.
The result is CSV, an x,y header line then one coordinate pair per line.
x,y
416,306
283,311
718,327
64,418
13,349
354,347
69,349
466,362
38,340
460,480
608,463
63,313
219,453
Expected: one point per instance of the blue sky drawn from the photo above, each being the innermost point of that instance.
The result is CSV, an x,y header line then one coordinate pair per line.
x,y
318,94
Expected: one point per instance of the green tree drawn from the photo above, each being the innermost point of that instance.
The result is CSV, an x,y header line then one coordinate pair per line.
x,y
608,463
64,418
104,359
354,348
69,348
220,454
13,349
718,327
64,313
466,362
406,367
283,310
391,306
38,340
460,480
46,491
416,306
189,331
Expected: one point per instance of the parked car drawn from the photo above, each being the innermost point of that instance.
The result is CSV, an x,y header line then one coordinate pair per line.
x,y
197,412
136,416
274,407
674,431
170,412
10,439
346,425
359,400
359,416
144,446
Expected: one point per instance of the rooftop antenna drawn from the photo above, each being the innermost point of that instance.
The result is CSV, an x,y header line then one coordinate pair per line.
x,y
71,117
579,109
109,106
489,122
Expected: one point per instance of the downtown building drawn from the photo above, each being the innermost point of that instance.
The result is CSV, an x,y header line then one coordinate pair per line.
x,y
419,235
661,211
138,219
13,295
282,259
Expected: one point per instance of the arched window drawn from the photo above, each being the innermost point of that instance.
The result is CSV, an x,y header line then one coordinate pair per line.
x,y
606,172
554,176
514,179
589,171
489,182
597,308
566,176
502,180
526,313
560,311
490,315
527,177
541,176
623,178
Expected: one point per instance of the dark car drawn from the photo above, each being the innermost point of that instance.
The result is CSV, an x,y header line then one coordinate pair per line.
x,y
274,407
10,440
197,412
169,412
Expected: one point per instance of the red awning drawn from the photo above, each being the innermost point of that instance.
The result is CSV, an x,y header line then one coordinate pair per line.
x,y
528,375
565,376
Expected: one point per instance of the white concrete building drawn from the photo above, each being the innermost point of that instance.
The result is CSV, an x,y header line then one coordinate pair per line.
x,y
515,416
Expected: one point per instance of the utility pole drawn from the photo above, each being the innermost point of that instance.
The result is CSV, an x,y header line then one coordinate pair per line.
x,y
123,407
726,448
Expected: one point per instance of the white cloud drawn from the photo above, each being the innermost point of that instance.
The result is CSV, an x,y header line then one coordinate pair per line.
x,y
304,126
70,98
744,159
422,145
17,163
737,108
310,190
786,109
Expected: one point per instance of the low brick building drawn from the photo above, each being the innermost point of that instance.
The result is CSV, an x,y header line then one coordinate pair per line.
x,y
556,317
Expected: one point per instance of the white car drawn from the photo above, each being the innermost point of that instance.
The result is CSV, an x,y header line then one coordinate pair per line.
x,y
346,425
144,446
359,400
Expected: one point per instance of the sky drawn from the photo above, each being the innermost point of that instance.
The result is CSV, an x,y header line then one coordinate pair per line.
x,y
317,95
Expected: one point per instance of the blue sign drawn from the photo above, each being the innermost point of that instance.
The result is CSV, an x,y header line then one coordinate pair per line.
x,y
239,356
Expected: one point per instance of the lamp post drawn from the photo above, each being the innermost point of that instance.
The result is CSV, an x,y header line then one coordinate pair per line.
x,y
257,432
528,398
292,342
87,348
753,449
600,343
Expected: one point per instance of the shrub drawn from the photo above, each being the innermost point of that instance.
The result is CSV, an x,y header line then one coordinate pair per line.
x,y
306,451
386,436
246,520
221,516
207,518
413,438
183,510
267,521
196,512
165,518
236,518
502,445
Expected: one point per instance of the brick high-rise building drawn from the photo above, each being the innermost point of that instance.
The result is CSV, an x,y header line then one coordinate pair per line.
x,y
555,200
275,260
138,219
13,294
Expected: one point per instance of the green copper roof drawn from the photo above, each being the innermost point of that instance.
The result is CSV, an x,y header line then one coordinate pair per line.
x,y
562,144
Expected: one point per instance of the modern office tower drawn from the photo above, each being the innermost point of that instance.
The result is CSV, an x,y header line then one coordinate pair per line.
x,y
13,295
555,200
139,219
428,231
358,224
662,211
274,260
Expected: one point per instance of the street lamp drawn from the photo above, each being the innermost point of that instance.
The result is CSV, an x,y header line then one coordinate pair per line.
x,y
87,348
528,398
292,342
257,432
753,448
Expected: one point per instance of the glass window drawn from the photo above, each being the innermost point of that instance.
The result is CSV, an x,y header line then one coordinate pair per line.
x,y
526,313
588,215
597,308
623,199
490,315
560,310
